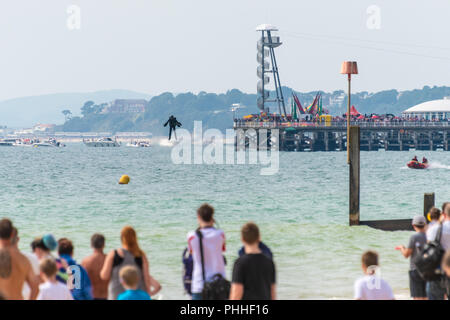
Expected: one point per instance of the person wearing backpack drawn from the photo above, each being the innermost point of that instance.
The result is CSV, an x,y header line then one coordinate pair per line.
x,y
441,231
206,245
417,285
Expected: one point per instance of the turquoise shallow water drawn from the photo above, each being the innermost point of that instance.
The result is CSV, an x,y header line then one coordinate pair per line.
x,y
302,210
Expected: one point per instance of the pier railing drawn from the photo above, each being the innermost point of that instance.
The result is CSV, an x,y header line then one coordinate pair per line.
x,y
341,124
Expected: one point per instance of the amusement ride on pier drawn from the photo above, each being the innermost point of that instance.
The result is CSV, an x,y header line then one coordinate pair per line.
x,y
312,128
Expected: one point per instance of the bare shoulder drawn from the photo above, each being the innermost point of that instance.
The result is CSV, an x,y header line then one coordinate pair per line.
x,y
110,254
21,259
87,260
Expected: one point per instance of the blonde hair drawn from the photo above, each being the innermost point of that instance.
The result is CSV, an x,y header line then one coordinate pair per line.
x,y
129,275
129,238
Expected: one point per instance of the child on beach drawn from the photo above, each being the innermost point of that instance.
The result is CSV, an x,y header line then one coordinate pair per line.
x,y
371,286
253,272
52,289
129,278
417,284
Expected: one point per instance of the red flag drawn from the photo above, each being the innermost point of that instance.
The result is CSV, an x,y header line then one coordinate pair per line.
x,y
299,105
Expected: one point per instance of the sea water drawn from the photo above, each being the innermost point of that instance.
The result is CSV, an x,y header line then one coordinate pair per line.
x,y
302,210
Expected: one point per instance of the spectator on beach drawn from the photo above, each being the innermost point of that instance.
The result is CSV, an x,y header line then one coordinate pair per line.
x,y
129,278
213,241
94,264
15,269
417,285
372,286
446,269
42,248
34,262
262,246
434,216
52,289
435,289
129,255
78,281
254,272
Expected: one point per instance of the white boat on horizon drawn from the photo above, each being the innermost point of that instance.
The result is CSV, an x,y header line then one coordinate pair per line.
x,y
7,142
140,144
48,143
102,142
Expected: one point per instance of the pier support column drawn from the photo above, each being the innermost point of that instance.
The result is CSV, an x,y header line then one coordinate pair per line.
x,y
326,138
445,141
416,140
428,203
430,135
354,154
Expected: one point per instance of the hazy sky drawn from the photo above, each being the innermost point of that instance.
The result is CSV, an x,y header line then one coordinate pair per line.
x,y
154,46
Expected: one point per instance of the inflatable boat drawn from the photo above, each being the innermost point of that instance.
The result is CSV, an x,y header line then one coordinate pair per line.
x,y
417,165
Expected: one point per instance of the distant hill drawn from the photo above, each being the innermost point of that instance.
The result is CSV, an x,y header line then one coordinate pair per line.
x,y
213,109
27,111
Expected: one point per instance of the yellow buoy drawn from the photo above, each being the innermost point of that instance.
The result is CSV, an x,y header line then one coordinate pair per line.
x,y
124,179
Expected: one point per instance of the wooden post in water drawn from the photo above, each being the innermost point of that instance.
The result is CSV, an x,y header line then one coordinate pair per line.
x,y
354,175
428,203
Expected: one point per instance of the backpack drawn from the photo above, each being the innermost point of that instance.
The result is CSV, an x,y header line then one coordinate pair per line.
x,y
428,261
218,288
264,249
188,267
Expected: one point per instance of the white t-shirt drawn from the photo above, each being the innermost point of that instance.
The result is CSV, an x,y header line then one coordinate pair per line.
x,y
429,227
445,237
54,291
35,267
372,287
213,247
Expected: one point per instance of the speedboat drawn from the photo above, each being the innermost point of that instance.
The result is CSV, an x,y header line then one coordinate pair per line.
x,y
7,142
23,143
418,165
102,142
48,143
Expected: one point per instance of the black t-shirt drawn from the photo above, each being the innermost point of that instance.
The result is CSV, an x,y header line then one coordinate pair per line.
x,y
257,273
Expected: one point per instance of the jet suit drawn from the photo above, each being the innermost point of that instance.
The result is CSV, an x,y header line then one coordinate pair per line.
x,y
173,123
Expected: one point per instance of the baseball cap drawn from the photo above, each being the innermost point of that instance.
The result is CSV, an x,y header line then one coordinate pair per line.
x,y
50,242
419,221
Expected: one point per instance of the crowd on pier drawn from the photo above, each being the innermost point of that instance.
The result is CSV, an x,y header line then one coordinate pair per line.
x,y
48,270
316,119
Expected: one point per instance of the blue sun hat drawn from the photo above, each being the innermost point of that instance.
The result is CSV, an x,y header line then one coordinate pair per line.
x,y
49,241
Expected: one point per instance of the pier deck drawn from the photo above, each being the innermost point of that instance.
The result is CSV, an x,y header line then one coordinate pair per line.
x,y
332,136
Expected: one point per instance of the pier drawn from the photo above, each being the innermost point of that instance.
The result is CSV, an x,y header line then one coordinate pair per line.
x,y
332,136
